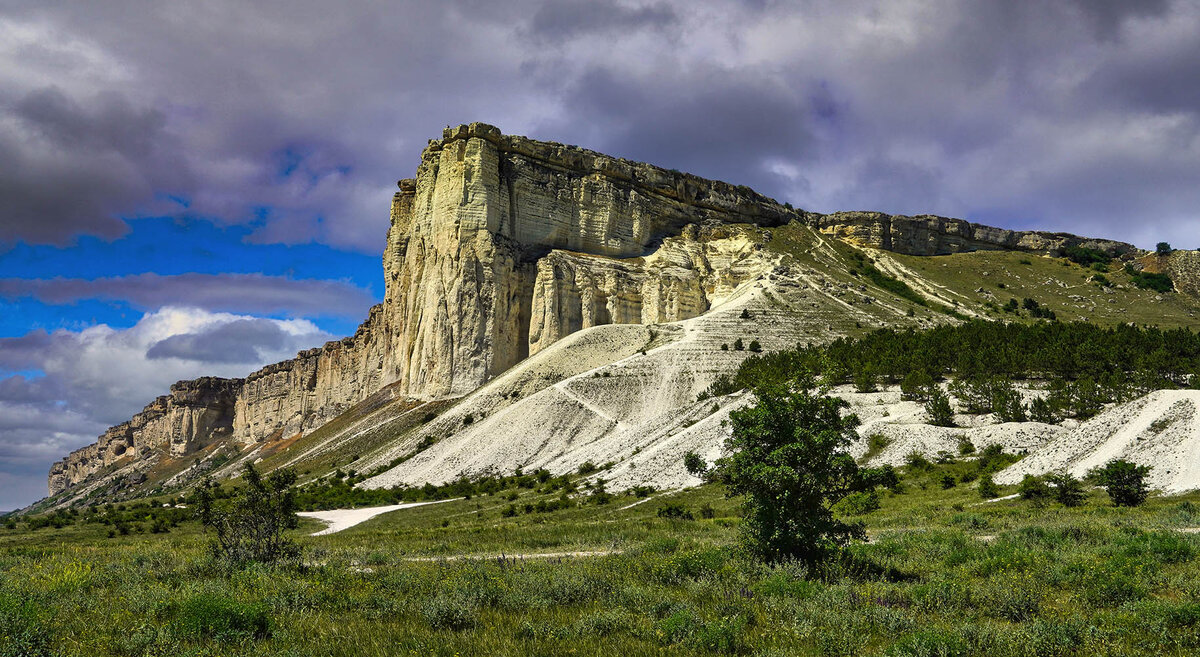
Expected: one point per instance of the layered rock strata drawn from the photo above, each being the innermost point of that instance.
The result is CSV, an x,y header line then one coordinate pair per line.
x,y
929,235
500,246
194,414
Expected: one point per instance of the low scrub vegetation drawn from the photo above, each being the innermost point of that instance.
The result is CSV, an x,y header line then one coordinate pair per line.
x,y
943,575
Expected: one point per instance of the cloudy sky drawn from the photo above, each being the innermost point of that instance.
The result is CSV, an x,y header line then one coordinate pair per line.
x,y
202,188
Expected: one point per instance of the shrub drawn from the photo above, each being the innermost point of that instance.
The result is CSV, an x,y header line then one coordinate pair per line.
x,y
876,443
864,380
948,481
1125,482
755,346
1086,257
938,407
987,488
917,461
738,345
695,464
1040,410
209,616
1068,490
675,511
745,314
726,636
707,511
250,527
587,468
858,504
1035,490
1155,282
965,446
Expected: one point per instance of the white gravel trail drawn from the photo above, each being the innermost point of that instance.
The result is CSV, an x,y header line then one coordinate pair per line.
x,y
339,519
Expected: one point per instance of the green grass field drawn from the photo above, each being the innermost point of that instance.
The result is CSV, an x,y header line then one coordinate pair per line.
x,y
944,574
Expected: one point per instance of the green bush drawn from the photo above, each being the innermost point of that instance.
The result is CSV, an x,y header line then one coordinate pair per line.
x,y
675,511
1068,491
1125,482
916,386
987,488
788,458
250,527
726,636
858,504
1035,490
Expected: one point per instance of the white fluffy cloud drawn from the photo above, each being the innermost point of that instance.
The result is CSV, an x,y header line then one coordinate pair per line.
x,y
64,388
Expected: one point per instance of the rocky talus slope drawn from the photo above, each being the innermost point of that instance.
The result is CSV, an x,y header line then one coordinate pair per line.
x,y
547,305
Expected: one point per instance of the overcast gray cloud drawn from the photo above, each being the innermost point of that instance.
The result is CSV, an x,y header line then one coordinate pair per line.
x,y
1075,116
237,293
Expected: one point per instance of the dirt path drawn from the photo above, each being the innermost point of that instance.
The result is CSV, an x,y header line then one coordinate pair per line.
x,y
527,555
339,519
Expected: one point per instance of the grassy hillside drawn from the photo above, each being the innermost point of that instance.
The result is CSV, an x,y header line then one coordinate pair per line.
x,y
945,574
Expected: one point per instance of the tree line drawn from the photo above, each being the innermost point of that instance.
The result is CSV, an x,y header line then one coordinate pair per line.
x,y
1117,360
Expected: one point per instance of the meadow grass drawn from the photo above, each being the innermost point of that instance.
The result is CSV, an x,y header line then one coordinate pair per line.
x,y
944,574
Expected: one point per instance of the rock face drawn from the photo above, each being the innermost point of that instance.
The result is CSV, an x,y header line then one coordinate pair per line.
x,y
499,247
195,413
929,235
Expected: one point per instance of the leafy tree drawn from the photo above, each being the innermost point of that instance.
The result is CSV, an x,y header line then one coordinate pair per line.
x,y
788,458
1124,481
1068,490
938,407
250,526
1163,249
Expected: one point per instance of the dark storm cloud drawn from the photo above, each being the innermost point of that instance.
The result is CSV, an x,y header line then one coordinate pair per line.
x,y
297,119
560,21
713,122
244,293
68,167
240,341
1107,16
